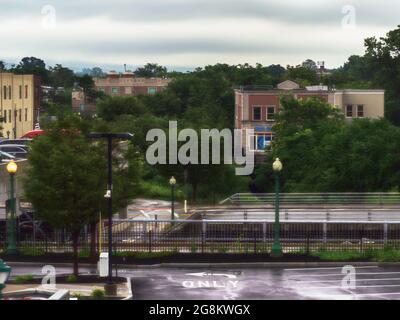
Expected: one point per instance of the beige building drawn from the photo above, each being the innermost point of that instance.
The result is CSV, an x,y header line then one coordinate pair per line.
x,y
256,107
19,104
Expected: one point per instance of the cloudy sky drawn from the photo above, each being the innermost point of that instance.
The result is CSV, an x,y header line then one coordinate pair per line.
x,y
191,33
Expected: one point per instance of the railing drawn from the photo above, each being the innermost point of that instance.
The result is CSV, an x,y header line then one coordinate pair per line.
x,y
371,198
221,236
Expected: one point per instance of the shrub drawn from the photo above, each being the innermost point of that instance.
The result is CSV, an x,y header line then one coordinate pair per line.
x,y
98,293
31,252
71,278
23,279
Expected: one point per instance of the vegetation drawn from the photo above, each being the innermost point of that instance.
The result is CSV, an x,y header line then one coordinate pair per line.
x,y
22,279
98,293
72,278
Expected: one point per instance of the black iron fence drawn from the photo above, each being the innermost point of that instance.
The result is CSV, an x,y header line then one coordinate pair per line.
x,y
215,236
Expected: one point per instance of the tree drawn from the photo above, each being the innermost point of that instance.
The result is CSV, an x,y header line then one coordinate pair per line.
x,y
310,64
151,70
67,178
303,75
32,65
61,76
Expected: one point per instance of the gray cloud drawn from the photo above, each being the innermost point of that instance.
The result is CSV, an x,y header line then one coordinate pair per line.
x,y
290,12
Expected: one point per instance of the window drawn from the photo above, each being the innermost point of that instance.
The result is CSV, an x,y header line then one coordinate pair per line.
x,y
360,111
5,116
9,92
26,91
5,92
256,113
20,92
349,111
26,114
271,113
82,107
259,142
9,116
114,90
20,115
151,90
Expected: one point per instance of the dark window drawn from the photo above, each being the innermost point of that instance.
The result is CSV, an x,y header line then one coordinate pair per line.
x,y
5,92
26,91
360,111
9,116
20,92
256,113
349,111
270,113
5,116
9,92
20,115
26,114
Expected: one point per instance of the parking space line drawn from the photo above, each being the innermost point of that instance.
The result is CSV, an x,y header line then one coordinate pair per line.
x,y
339,274
340,287
328,268
357,280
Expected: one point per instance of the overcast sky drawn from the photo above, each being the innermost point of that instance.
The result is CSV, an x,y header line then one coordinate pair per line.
x,y
191,33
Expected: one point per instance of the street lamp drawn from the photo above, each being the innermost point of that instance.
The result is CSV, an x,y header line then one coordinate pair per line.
x,y
11,226
110,287
4,274
276,247
172,183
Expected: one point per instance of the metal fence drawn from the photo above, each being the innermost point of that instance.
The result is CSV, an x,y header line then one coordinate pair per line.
x,y
220,236
369,198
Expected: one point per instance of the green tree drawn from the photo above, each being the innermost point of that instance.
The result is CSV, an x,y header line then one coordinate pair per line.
x,y
151,70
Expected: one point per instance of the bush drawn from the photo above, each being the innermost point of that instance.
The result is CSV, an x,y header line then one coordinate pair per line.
x,y
71,278
31,252
23,279
98,293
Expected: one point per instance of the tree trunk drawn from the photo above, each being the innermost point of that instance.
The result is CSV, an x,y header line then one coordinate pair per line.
x,y
75,244
93,251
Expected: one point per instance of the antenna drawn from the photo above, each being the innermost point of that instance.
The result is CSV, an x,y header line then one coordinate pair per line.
x,y
125,67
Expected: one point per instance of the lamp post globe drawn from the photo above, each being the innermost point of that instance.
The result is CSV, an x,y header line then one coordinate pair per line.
x,y
276,246
172,183
12,169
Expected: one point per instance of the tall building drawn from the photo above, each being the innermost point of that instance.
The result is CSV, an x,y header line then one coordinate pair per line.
x,y
256,107
19,103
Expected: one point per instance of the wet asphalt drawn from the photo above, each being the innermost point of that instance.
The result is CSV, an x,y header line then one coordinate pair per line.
x,y
327,283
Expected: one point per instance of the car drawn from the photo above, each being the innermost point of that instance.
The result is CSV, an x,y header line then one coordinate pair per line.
x,y
18,151
24,142
4,156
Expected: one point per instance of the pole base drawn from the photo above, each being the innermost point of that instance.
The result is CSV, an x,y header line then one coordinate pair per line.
x,y
276,251
110,289
11,250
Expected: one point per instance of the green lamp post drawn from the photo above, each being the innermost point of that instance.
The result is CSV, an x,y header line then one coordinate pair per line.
x,y
172,183
11,225
4,274
277,247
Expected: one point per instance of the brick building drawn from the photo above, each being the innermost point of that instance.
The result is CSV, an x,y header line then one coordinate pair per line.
x,y
256,106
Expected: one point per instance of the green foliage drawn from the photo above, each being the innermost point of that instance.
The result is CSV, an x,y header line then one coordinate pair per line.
x,y
31,252
146,255
98,293
323,153
21,279
72,278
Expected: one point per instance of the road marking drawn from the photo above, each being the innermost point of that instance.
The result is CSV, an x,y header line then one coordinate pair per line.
x,y
340,274
323,281
206,274
327,268
145,214
340,287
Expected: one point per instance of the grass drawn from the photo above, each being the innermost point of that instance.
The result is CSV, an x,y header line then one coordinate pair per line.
x,y
146,255
71,278
388,254
31,252
23,279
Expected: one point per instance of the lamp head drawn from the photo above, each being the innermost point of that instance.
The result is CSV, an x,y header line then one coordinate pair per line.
x,y
277,165
12,167
172,181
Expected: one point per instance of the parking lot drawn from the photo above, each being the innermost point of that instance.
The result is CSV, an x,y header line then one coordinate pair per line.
x,y
268,283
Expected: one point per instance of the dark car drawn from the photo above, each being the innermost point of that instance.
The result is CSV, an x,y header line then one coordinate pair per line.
x,y
24,142
18,151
